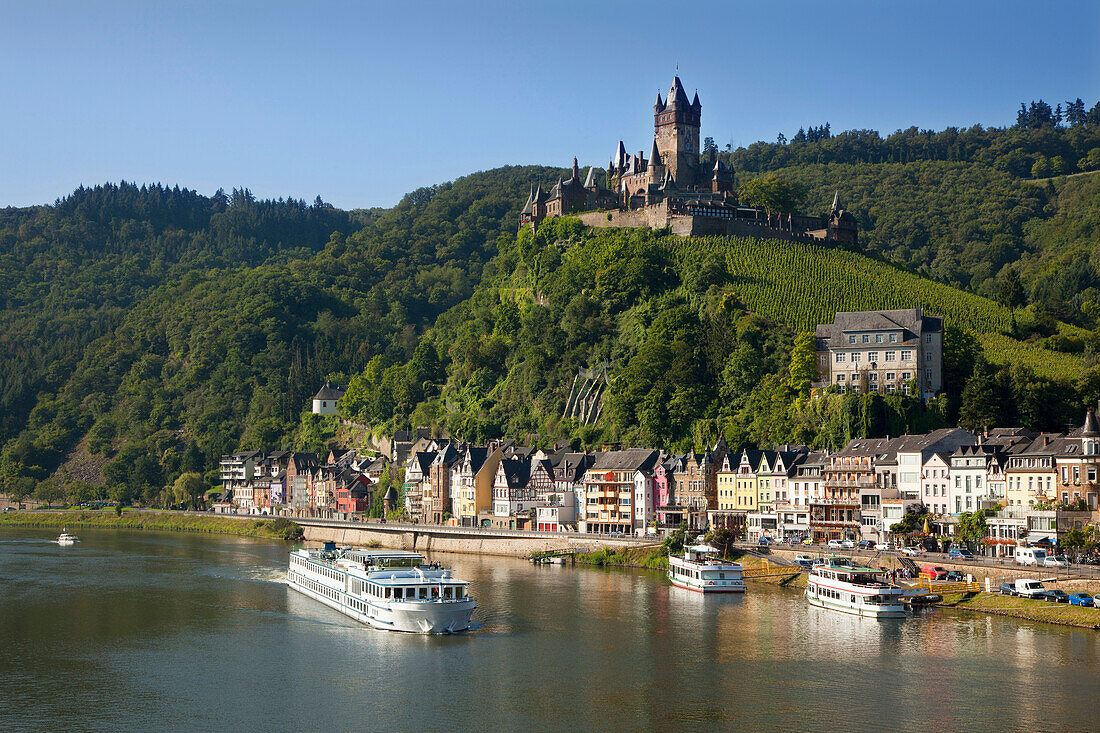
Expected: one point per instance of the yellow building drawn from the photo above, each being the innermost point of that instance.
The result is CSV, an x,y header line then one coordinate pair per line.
x,y
473,483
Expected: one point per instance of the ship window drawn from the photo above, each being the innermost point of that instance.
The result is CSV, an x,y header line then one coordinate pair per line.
x,y
422,592
387,592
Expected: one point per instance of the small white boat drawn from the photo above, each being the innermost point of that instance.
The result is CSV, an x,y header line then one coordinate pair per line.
x,y
701,570
66,539
841,585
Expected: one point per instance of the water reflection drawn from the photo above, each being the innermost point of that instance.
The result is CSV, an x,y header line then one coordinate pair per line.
x,y
139,631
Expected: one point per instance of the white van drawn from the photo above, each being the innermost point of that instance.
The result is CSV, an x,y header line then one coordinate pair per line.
x,y
1030,556
1030,588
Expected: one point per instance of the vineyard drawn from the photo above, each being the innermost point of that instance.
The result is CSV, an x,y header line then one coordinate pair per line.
x,y
801,284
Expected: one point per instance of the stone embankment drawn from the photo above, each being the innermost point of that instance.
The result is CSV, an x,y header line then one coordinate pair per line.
x,y
472,540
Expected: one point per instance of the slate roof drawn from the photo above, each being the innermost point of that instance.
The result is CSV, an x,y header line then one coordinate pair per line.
x,y
330,392
632,459
911,321
1091,429
517,472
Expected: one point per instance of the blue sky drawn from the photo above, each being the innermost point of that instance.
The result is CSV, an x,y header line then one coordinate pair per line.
x,y
361,102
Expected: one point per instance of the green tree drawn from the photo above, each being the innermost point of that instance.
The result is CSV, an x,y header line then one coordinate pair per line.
x,y
773,194
971,528
188,489
1010,291
803,368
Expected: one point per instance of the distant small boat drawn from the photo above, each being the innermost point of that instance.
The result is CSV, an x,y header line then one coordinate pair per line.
x,y
66,539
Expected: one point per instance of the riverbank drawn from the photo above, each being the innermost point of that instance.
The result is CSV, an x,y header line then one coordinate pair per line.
x,y
275,529
1025,608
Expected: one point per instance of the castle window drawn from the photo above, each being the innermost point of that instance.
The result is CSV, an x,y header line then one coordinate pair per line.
x,y
893,338
891,356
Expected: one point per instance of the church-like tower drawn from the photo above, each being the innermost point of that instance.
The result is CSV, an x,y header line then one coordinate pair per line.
x,y
676,132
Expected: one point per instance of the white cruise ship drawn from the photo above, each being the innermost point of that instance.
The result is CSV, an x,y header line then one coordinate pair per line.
x,y
701,570
388,589
841,585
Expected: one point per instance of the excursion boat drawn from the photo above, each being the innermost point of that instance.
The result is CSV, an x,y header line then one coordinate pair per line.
x,y
65,538
841,585
387,589
700,569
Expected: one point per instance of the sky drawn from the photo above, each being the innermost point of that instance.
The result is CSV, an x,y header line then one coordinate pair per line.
x,y
361,102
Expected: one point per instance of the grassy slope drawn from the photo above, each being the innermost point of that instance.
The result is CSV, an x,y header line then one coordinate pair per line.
x,y
1055,613
801,284
166,521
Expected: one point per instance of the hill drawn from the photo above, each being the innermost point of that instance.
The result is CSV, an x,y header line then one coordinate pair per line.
x,y
157,328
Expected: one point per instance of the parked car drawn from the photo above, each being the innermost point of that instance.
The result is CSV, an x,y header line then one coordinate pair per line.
x,y
956,576
808,541
1009,588
1030,588
848,545
960,553
835,545
764,540
1056,595
883,546
804,560
1055,561
1081,599
933,572
912,551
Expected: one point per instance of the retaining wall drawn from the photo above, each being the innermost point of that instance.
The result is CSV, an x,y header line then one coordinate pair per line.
x,y
451,539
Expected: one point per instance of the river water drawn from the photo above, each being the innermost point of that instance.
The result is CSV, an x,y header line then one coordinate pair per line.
x,y
149,631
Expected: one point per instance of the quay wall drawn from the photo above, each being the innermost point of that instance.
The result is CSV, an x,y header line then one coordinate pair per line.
x,y
422,538
1069,581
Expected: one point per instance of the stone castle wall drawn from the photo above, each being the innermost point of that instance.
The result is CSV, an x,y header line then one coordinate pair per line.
x,y
657,216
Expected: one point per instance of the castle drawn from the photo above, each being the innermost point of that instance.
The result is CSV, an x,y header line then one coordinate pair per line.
x,y
674,188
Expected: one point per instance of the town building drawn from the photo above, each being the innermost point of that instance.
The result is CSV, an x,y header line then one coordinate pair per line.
x,y
610,486
881,351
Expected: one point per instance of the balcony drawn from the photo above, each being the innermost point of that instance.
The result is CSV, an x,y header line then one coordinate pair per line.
x,y
850,484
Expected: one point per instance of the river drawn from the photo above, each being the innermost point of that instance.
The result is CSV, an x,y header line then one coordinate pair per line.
x,y
143,631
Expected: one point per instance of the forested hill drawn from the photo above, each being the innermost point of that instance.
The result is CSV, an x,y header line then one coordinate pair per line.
x,y
153,329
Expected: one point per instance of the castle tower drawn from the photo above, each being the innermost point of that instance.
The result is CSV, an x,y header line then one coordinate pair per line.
x,y
676,131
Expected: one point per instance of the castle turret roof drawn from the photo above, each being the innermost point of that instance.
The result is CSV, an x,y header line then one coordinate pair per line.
x,y
695,102
530,205
660,104
677,97
1091,428
654,154
620,156
590,181
836,201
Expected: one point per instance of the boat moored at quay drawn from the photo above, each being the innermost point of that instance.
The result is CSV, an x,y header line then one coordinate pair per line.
x,y
841,585
701,570
387,589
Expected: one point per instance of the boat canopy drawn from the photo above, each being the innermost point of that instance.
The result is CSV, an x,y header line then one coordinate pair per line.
x,y
702,548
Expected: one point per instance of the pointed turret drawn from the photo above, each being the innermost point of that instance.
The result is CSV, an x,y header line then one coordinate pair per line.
x,y
539,195
654,155
695,105
620,156
836,201
718,167
659,105
576,171
530,205
1091,428
677,97
590,181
